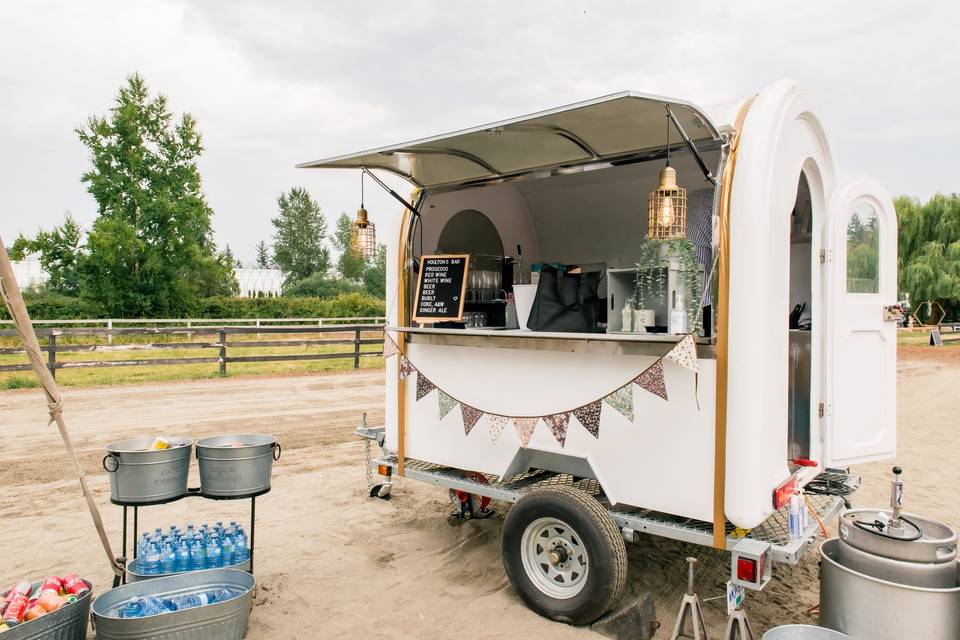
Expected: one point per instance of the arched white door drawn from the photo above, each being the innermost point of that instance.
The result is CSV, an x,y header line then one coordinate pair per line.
x,y
861,359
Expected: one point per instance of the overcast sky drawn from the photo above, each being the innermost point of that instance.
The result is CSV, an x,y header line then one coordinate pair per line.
x,y
276,83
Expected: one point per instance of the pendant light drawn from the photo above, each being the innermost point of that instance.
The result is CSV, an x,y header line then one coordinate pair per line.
x,y
363,234
667,218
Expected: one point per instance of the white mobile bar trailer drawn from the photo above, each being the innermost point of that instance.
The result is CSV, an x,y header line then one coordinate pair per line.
x,y
772,408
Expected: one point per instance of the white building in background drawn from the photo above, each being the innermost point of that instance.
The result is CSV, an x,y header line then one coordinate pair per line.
x,y
259,281
29,273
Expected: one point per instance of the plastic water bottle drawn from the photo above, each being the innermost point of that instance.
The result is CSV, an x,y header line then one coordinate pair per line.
x,y
183,556
142,544
795,517
192,600
190,531
198,553
241,552
168,557
141,607
228,551
214,552
151,559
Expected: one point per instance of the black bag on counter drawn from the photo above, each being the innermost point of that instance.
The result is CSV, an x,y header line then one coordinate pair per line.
x,y
566,302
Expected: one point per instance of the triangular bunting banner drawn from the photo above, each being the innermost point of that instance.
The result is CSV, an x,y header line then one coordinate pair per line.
x,y
652,380
684,353
622,401
446,403
389,346
470,416
558,424
589,417
424,386
495,425
406,368
525,427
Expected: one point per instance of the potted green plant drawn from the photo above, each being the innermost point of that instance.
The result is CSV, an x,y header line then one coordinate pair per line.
x,y
655,258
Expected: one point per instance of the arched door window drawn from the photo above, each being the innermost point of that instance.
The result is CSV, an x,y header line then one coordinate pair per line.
x,y
863,249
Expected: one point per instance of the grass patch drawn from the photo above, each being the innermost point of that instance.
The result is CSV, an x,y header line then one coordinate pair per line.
x,y
19,382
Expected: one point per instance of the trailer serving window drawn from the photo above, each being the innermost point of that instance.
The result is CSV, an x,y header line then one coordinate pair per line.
x,y
565,189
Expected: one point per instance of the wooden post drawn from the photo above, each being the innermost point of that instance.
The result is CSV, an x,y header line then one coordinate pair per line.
x,y
356,350
52,354
223,353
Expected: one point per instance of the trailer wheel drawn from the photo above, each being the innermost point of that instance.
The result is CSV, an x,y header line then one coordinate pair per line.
x,y
564,555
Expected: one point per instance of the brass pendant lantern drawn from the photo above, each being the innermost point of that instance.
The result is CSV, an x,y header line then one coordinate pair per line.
x,y
667,218
363,234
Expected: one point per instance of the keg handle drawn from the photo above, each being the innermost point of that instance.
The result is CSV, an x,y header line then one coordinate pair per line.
x,y
115,464
276,450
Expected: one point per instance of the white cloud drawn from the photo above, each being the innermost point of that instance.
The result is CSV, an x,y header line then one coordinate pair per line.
x,y
276,83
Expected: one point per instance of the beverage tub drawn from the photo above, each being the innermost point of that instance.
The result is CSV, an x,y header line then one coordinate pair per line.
x,y
236,466
69,622
217,621
140,475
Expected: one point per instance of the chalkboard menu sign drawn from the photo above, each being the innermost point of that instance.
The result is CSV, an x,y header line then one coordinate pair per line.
x,y
441,288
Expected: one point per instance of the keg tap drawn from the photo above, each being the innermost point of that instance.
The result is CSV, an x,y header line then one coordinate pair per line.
x,y
896,498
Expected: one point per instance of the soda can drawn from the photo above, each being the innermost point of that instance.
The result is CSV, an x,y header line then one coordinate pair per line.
x,y
74,585
22,587
52,583
16,609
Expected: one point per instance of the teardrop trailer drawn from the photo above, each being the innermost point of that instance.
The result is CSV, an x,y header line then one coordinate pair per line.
x,y
711,450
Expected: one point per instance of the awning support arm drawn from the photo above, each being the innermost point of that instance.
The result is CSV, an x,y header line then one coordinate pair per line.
x,y
691,146
397,196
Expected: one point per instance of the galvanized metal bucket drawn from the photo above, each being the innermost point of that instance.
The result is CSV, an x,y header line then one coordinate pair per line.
x,y
69,622
236,465
803,632
139,475
218,621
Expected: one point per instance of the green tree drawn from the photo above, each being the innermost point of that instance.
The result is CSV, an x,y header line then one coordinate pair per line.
x,y
264,261
929,250
320,285
350,265
375,275
299,234
151,249
61,250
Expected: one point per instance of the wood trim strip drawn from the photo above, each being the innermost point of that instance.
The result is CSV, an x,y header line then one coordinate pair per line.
x,y
402,340
723,340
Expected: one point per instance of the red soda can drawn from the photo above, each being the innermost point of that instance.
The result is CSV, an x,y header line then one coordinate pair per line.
x,y
52,583
22,588
16,610
74,584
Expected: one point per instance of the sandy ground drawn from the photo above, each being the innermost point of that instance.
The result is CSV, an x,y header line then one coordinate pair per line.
x,y
332,563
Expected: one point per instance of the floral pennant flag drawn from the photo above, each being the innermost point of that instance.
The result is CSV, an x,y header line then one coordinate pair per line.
x,y
389,346
558,424
424,386
684,353
622,401
406,367
652,380
495,425
471,417
589,417
446,403
525,427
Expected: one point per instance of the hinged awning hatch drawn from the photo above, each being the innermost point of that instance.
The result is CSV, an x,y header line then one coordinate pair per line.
x,y
612,127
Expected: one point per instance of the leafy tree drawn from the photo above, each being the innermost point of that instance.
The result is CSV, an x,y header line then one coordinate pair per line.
x,y
61,250
264,261
320,285
350,265
375,275
929,250
299,233
151,250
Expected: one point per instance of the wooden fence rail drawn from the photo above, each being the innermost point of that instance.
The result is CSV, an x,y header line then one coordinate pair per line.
x,y
52,348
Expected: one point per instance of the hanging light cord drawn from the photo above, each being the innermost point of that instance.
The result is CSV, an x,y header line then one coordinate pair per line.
x,y
668,139
361,189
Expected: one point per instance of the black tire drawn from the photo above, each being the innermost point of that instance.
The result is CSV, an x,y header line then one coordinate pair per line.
x,y
603,554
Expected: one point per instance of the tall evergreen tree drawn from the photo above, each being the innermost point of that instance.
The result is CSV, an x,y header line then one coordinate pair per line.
x,y
299,234
151,250
375,275
264,261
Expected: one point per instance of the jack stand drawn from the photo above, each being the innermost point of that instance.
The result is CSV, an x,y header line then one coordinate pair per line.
x,y
738,626
690,611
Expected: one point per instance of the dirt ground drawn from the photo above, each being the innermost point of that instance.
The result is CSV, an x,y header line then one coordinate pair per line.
x,y
333,563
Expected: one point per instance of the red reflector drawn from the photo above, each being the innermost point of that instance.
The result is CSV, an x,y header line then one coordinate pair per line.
x,y
781,495
747,570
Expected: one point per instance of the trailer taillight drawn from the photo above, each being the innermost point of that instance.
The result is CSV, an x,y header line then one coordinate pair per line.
x,y
747,570
383,469
781,495
749,565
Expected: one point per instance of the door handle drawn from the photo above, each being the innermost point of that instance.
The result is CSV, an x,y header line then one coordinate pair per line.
x,y
892,313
